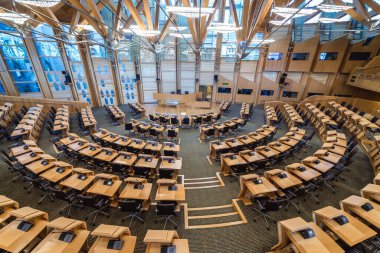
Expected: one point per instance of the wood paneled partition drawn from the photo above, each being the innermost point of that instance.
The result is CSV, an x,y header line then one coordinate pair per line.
x,y
18,102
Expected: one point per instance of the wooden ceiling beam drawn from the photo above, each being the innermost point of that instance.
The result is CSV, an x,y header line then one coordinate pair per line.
x,y
203,30
147,14
245,18
135,13
362,9
252,8
191,25
235,19
373,5
98,16
100,6
209,20
119,10
266,6
90,20
355,15
157,16
74,20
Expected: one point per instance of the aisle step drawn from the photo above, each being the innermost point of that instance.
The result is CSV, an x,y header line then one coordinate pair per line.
x,y
235,214
203,183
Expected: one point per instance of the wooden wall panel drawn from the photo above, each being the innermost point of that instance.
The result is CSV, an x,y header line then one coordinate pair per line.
x,y
279,46
317,83
297,82
269,81
307,46
340,88
373,48
338,45
225,83
244,83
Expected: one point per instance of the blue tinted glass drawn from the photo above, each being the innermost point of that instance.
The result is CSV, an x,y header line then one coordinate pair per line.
x,y
50,78
46,48
27,87
23,76
2,90
74,67
63,87
14,52
56,87
56,76
85,86
97,51
78,85
6,39
18,64
52,64
4,27
72,53
111,100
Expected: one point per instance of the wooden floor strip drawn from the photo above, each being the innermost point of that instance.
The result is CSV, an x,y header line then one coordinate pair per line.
x,y
216,225
208,207
209,160
205,182
212,216
199,178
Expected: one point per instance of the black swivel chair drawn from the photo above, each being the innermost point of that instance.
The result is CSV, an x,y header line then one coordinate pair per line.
x,y
100,203
166,209
153,133
210,133
69,196
238,170
174,121
141,172
172,134
129,127
264,206
185,122
166,173
132,206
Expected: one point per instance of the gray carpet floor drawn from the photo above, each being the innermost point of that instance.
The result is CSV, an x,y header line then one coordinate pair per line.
x,y
250,237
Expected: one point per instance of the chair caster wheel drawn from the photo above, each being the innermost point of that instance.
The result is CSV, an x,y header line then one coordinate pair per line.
x,y
68,216
317,202
85,218
93,224
334,192
155,222
175,227
122,220
268,229
274,222
298,211
254,220
60,212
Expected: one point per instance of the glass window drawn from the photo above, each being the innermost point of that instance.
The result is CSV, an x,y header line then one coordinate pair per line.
x,y
274,56
2,90
289,94
267,93
326,56
300,56
18,64
27,87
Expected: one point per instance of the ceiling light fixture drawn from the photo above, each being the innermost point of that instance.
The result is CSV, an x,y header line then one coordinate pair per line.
x,y
140,32
178,35
190,12
14,17
40,3
180,28
333,7
223,28
285,12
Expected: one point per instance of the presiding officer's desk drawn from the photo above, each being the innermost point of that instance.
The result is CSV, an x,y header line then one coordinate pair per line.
x,y
68,236
352,232
304,237
7,205
25,232
113,239
187,99
363,208
158,240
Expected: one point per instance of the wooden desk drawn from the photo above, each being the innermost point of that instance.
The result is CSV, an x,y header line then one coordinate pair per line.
x,y
288,141
125,158
328,156
130,192
371,192
334,148
171,147
229,160
54,176
154,147
137,145
6,206
123,141
376,180
283,183
353,204
68,140
27,158
99,188
51,243
216,147
105,233
149,163
279,146
246,140
157,238
20,150
14,240
322,165
107,155
251,156
303,172
38,167
111,138
164,194
256,136
91,150
249,188
75,182
266,151
78,145
352,233
289,231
